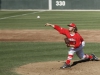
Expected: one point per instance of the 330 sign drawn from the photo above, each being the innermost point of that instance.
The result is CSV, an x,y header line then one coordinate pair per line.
x,y
60,3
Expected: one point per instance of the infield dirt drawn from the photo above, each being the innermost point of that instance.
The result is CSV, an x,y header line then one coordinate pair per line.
x,y
45,35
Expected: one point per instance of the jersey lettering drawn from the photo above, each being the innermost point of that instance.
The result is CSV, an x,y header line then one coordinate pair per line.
x,y
71,39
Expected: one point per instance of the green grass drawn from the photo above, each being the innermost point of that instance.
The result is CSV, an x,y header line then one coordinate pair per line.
x,y
14,54
83,19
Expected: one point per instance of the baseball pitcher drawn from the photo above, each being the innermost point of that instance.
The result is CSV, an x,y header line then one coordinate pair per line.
x,y
73,40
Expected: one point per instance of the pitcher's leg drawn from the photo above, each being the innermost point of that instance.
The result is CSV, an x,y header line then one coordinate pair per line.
x,y
81,55
70,56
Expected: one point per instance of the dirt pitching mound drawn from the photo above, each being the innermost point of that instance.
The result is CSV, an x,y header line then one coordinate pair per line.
x,y
53,68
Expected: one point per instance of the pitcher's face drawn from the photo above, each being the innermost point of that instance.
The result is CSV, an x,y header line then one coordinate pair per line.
x,y
71,28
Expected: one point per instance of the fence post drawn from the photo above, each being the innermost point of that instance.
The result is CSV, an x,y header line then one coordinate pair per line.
x,y
0,4
50,4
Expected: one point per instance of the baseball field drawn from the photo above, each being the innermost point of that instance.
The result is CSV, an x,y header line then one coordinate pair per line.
x,y
27,47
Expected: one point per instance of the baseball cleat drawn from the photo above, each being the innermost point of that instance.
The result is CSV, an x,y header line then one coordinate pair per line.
x,y
94,58
65,66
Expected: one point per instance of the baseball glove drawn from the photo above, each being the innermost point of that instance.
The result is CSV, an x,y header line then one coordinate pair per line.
x,y
67,42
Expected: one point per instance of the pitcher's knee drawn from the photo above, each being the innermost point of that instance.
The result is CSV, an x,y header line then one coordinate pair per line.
x,y
85,56
70,57
71,52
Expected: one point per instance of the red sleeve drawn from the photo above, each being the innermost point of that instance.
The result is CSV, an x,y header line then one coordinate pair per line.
x,y
60,29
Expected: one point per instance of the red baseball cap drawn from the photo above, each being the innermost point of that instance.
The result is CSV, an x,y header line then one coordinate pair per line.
x,y
72,25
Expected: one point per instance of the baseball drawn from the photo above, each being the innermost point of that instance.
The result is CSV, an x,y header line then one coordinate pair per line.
x,y
38,16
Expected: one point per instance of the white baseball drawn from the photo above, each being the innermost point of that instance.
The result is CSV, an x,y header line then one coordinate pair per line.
x,y
38,16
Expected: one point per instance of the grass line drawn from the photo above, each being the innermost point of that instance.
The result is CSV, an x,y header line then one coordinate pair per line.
x,y
21,15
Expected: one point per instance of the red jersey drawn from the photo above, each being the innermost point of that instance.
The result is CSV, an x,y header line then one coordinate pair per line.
x,y
75,39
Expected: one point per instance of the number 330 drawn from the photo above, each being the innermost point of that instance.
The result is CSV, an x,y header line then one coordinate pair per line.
x,y
60,3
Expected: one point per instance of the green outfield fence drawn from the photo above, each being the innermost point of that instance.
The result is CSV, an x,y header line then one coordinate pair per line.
x,y
50,4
